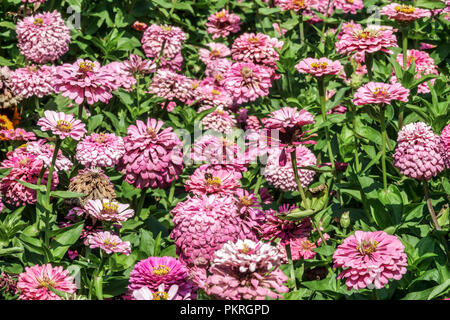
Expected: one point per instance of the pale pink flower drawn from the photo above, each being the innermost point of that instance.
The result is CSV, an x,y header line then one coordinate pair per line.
x,y
121,77
445,143
43,37
210,96
35,281
247,82
145,293
379,93
108,242
256,48
17,134
100,150
216,51
62,125
319,67
370,259
108,210
295,5
222,23
170,85
154,37
349,6
136,65
208,180
44,152
404,12
320,6
288,118
219,120
33,81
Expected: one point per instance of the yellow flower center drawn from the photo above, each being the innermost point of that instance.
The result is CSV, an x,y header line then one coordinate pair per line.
x,y
350,1
307,245
212,181
220,14
317,65
411,59
218,77
245,249
367,33
86,66
46,282
38,21
300,3
367,247
167,28
151,131
246,72
215,92
161,270
195,85
160,295
110,208
24,161
215,53
253,40
101,138
379,91
32,68
405,9
63,125
246,201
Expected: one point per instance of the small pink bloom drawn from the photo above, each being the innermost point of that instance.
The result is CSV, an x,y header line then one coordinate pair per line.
x,y
222,23
404,12
319,67
108,242
61,124
379,92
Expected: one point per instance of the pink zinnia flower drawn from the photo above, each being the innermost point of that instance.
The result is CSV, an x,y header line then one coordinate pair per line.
x,y
100,150
169,85
288,118
426,46
44,152
404,12
203,224
216,71
211,96
256,48
17,134
370,259
295,5
247,81
319,67
62,125
136,65
33,81
121,77
43,37
84,80
349,6
418,154
222,23
145,293
153,156
108,242
368,40
139,26
445,143
246,270
154,37
302,248
208,180
156,271
283,177
108,210
216,51
379,92
34,283
320,6
219,120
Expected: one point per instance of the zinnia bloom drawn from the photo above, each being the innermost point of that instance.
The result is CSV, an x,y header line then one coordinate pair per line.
x,y
44,152
108,210
43,37
222,23
156,271
34,283
295,5
154,37
33,81
108,242
256,48
219,120
370,259
17,134
445,143
169,85
216,51
100,150
136,65
153,156
63,125
302,248
145,293
349,6
247,81
418,154
84,80
379,92
319,67
206,180
404,12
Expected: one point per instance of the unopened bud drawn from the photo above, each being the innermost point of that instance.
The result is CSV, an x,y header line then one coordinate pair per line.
x,y
345,219
356,80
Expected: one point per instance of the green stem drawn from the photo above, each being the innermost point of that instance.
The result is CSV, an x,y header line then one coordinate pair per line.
x,y
171,192
320,232
358,165
405,63
301,29
80,111
47,192
322,95
430,206
141,202
297,178
383,145
291,265
369,64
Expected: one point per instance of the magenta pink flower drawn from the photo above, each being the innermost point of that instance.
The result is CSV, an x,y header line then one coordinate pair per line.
x,y
418,154
288,118
380,93
203,224
216,51
169,85
136,65
121,77
139,26
216,70
295,5
62,125
84,80
256,48
156,271
219,120
319,67
222,23
404,12
426,46
445,143
17,134
208,180
370,259
100,150
211,96
108,242
44,152
34,283
153,156
302,248
25,167
349,6
108,210
283,177
246,270
33,81
320,6
43,37
371,39
161,293
247,81
154,37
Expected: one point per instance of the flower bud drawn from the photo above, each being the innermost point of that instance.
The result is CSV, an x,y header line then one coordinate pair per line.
x,y
345,219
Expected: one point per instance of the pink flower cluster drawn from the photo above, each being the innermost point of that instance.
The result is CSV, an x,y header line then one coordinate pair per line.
x,y
33,81
222,23
404,12
380,93
100,150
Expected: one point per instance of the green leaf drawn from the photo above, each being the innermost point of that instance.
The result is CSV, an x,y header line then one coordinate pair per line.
x,y
33,186
440,289
429,4
94,122
147,243
325,250
65,237
66,194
